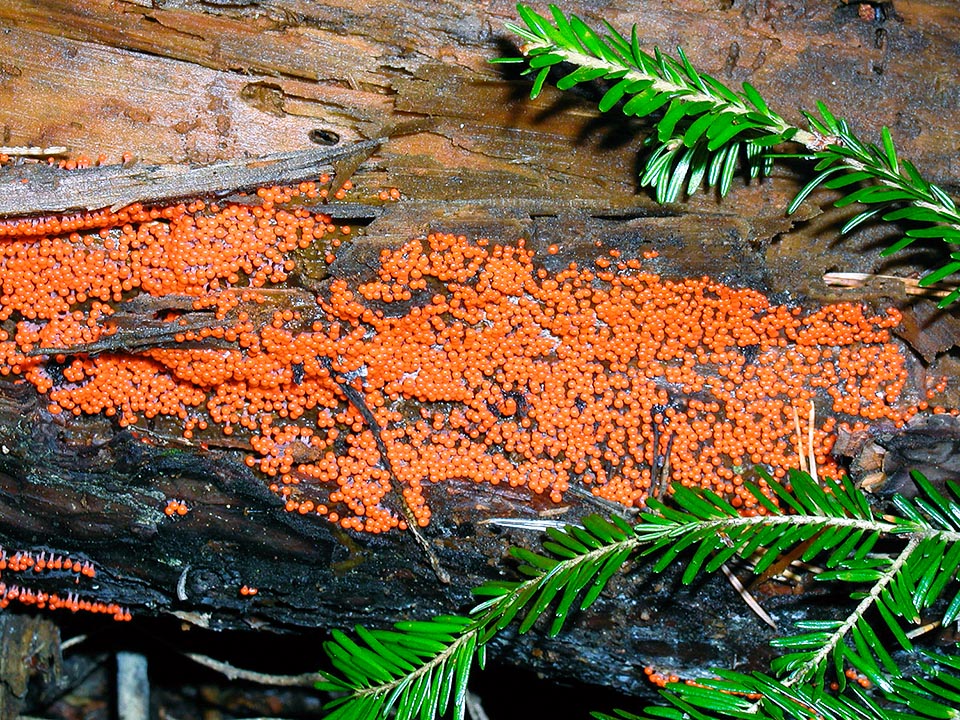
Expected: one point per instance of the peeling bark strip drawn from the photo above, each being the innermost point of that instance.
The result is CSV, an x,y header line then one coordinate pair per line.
x,y
30,189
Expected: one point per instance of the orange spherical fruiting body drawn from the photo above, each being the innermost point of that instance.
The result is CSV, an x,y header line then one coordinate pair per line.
x,y
456,361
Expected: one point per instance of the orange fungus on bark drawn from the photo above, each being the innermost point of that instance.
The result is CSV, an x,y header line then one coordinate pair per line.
x,y
465,360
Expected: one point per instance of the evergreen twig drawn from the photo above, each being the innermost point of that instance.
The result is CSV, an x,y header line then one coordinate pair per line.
x,y
704,129
419,669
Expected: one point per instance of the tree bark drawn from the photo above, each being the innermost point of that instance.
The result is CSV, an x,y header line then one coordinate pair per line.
x,y
193,82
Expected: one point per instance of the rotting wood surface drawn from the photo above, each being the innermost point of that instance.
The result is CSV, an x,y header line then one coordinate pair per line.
x,y
194,82
46,189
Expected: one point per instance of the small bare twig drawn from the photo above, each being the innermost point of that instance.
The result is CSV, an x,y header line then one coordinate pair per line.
x,y
806,452
923,629
33,151
748,598
800,455
812,460
540,525
911,286
234,673
355,398
75,640
182,583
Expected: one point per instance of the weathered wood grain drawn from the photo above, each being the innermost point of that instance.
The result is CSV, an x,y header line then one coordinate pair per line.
x,y
191,82
38,188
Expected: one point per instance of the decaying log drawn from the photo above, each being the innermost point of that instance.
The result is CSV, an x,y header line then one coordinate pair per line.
x,y
191,82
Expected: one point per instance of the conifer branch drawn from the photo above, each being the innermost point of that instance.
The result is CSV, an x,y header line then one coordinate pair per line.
x,y
702,128
807,671
464,642
418,668
652,532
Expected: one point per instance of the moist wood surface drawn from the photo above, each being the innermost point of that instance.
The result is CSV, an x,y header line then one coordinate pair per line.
x,y
198,82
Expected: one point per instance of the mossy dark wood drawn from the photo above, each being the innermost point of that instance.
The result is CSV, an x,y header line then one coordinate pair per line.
x,y
192,82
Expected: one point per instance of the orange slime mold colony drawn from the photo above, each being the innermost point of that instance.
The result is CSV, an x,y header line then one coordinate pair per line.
x,y
472,360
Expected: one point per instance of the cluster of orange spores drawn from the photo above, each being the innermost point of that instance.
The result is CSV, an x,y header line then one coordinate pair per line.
x,y
23,562
466,360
